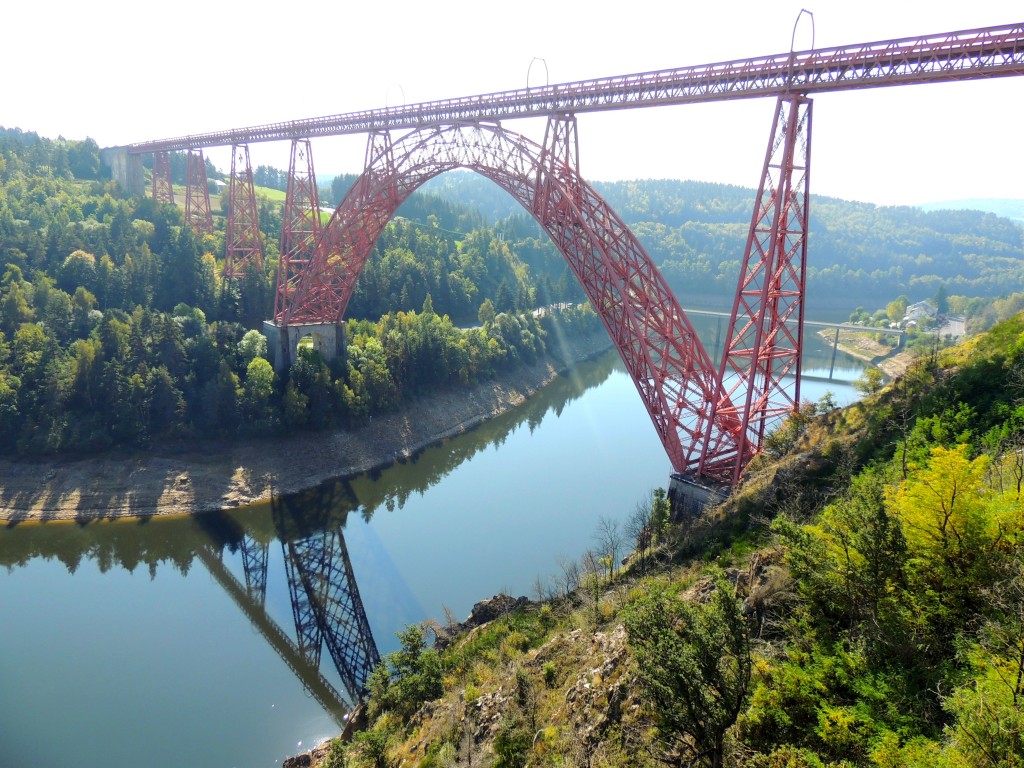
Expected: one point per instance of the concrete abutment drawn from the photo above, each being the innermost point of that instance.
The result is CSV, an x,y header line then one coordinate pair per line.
x,y
125,169
689,496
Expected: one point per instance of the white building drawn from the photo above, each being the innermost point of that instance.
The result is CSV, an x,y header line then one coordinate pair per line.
x,y
922,310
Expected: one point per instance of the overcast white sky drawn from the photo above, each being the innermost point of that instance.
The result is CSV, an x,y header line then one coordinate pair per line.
x,y
124,71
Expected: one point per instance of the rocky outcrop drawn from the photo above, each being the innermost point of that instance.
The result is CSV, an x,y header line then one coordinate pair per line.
x,y
598,698
593,697
494,608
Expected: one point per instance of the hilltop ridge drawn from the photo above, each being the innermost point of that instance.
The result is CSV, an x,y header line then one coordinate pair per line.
x,y
1009,208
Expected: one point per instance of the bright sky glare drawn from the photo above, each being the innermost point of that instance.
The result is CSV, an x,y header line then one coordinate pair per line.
x,y
122,71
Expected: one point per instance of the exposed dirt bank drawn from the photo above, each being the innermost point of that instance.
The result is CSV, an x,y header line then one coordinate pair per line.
x,y
892,362
234,474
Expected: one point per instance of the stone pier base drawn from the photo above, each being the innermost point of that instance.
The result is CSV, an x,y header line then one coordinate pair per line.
x,y
690,497
328,340
125,169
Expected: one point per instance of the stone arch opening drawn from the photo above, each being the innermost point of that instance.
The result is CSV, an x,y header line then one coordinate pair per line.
x,y
327,338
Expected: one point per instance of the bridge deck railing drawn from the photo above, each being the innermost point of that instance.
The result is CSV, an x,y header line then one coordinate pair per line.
x,y
967,54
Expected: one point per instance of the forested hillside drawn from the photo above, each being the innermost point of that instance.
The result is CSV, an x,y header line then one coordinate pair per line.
x,y
1010,209
117,329
860,254
858,601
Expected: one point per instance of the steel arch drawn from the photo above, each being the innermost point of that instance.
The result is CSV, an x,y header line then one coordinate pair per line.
x,y
673,373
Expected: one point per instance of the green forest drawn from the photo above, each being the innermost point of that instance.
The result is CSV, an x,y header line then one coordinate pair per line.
x,y
859,253
116,328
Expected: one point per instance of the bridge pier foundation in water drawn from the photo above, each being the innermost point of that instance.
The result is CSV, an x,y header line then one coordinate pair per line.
x,y
689,496
328,340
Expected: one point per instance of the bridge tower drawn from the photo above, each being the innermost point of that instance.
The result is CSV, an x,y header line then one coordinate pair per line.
x,y
243,241
197,194
765,336
308,629
300,227
163,190
300,235
559,166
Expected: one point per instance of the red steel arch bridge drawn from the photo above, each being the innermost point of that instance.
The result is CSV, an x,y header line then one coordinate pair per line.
x,y
711,416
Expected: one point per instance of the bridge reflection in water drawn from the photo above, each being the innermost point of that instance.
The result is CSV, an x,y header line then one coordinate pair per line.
x,y
292,546
326,606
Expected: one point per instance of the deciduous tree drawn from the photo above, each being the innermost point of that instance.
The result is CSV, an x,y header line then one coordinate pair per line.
x,y
693,663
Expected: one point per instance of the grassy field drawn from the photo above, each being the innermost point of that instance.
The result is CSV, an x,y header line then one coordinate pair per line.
x,y
275,196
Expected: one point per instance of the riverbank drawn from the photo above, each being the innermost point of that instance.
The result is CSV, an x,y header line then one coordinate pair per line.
x,y
861,345
234,474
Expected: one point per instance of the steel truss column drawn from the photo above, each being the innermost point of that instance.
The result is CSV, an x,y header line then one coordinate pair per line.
x,y
301,225
378,195
559,165
380,155
329,599
254,562
243,248
760,367
379,175
163,190
197,194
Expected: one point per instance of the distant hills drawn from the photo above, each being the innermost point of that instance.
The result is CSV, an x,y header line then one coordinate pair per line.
x,y
860,253
1010,209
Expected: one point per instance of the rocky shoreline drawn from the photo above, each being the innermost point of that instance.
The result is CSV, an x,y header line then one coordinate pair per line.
x,y
892,362
234,474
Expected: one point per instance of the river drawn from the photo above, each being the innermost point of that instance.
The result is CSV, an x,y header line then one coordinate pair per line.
x,y
151,643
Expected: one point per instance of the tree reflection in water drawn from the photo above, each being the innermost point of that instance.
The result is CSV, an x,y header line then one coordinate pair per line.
x,y
327,610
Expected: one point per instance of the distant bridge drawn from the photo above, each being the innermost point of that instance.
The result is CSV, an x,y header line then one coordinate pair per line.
x,y
709,428
815,323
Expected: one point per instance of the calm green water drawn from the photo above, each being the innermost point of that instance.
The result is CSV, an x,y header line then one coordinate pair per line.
x,y
141,644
